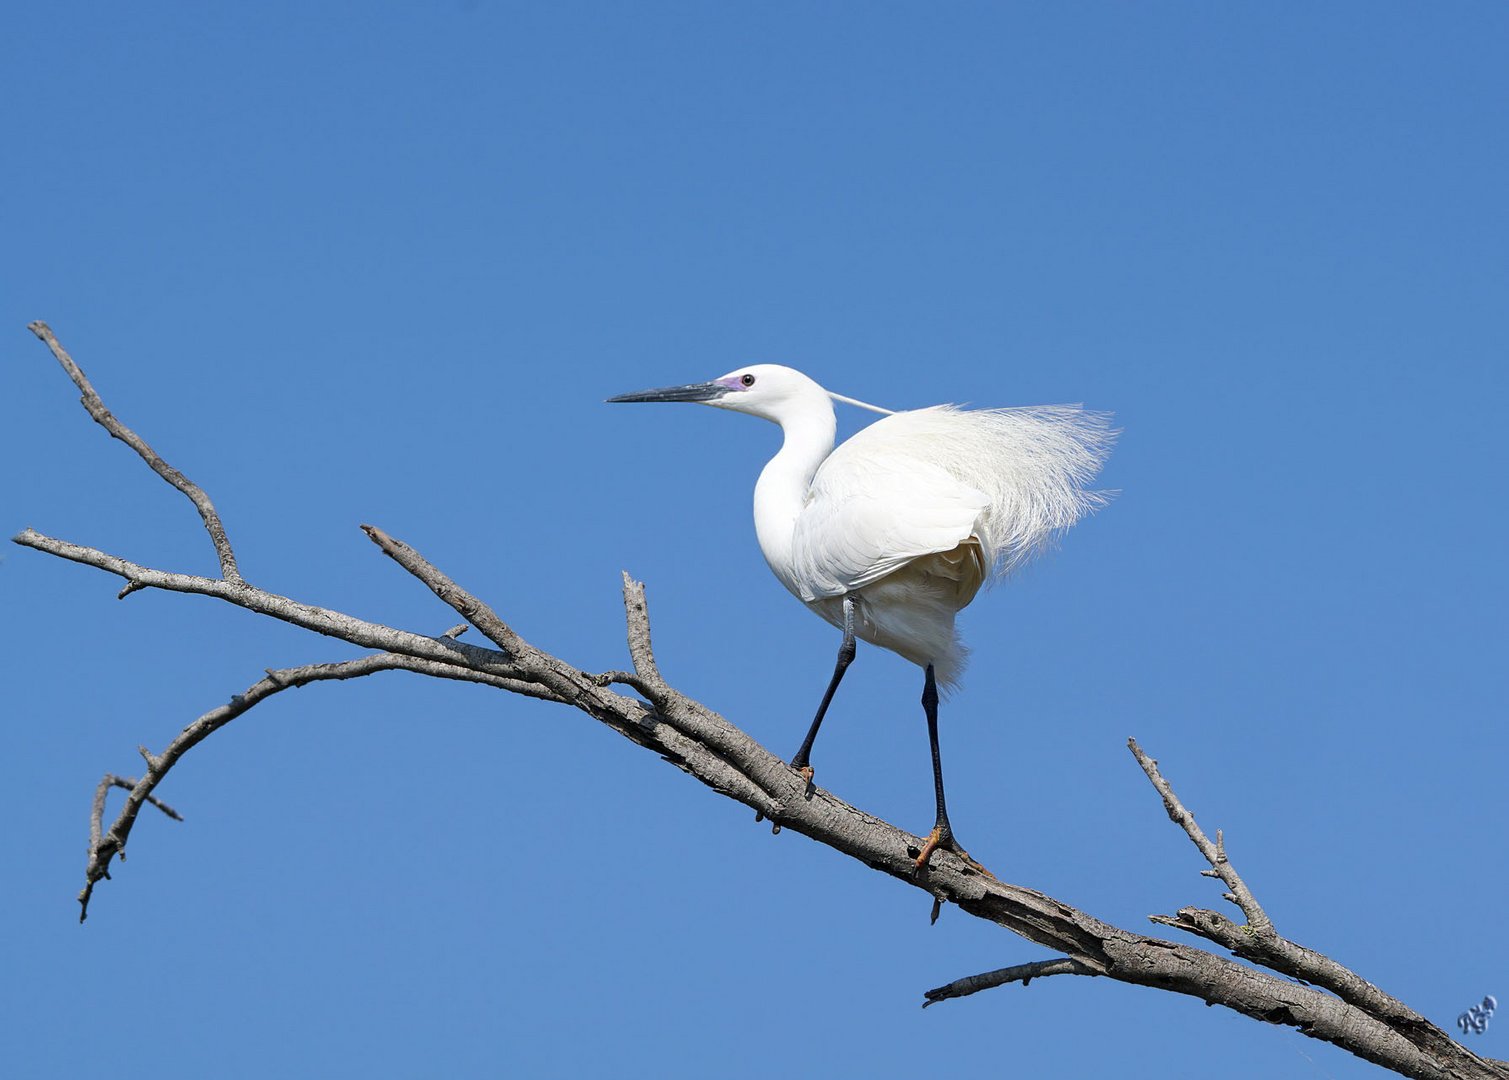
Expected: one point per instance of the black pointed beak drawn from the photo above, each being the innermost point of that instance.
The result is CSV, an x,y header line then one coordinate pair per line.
x,y
702,391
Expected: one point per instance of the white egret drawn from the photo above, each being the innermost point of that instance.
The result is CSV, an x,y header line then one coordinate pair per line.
x,y
888,536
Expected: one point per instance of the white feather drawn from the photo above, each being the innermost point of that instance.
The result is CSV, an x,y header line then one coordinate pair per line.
x,y
920,482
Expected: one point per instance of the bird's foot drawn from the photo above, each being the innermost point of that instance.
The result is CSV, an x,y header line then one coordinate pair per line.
x,y
804,770
942,836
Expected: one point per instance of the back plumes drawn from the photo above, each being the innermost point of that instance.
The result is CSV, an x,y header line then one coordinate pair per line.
x,y
1032,466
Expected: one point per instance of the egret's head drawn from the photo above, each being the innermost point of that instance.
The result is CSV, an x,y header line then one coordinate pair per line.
x,y
769,391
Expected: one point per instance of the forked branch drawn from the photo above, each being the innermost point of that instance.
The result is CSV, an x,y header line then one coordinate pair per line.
x,y
1339,1007
1259,942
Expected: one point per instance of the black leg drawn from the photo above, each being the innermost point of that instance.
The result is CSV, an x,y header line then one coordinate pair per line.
x,y
943,833
941,828
846,652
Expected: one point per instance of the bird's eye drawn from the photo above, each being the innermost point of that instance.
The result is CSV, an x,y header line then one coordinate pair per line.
x,y
747,380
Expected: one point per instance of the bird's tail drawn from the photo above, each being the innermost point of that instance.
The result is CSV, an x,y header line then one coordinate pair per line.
x,y
1034,465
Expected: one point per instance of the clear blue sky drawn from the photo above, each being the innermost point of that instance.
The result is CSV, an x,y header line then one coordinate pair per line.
x,y
382,262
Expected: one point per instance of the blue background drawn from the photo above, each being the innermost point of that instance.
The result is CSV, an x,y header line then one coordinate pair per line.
x,y
382,262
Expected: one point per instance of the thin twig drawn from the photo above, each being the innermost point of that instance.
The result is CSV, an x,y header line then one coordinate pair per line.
x,y
1022,973
468,606
107,420
129,783
97,808
1215,854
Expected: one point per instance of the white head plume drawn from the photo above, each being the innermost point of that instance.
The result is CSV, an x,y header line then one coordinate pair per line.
x,y
861,404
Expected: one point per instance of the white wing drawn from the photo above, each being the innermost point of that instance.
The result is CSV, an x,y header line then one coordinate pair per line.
x,y
872,508
922,482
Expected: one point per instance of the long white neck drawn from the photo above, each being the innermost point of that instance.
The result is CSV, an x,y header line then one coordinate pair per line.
x,y
781,491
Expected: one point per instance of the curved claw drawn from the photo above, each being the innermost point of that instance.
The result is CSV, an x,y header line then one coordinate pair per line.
x,y
806,772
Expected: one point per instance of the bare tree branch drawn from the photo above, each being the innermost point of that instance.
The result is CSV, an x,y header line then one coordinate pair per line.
x,y
1260,942
641,652
112,844
107,420
1339,1007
